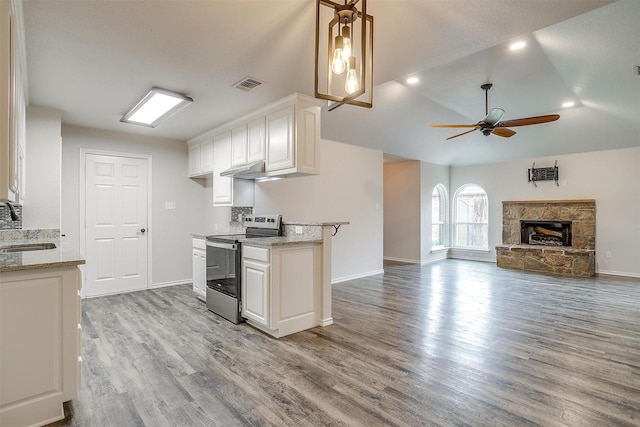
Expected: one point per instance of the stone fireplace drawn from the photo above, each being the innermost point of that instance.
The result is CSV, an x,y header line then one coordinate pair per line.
x,y
551,236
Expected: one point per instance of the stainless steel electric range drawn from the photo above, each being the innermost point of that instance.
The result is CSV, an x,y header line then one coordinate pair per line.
x,y
224,264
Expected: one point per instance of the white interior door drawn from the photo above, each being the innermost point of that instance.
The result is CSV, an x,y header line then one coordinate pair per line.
x,y
116,206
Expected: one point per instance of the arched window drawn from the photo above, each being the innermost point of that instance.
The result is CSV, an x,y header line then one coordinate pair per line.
x,y
471,217
438,217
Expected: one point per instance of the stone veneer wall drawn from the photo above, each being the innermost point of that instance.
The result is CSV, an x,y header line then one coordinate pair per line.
x,y
577,260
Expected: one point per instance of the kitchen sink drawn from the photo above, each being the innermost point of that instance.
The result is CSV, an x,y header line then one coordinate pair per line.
x,y
24,247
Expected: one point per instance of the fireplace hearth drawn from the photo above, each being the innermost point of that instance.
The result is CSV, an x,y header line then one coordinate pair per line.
x,y
545,233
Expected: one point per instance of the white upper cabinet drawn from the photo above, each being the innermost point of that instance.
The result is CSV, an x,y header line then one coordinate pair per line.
x,y
222,185
285,134
200,158
13,105
293,138
280,140
239,146
255,140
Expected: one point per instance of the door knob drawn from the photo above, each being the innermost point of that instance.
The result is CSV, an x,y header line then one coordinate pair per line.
x,y
143,230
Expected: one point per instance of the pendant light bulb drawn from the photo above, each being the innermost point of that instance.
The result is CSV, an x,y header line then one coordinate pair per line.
x,y
352,84
346,43
338,64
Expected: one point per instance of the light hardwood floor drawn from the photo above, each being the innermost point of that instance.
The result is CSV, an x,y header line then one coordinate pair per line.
x,y
450,343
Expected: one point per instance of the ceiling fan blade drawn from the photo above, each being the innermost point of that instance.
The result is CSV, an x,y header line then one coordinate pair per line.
x,y
463,133
453,126
529,121
503,132
494,116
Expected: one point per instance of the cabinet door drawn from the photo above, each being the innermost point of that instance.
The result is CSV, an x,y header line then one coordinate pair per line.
x,y
222,185
255,292
255,140
194,160
239,146
199,272
206,157
280,141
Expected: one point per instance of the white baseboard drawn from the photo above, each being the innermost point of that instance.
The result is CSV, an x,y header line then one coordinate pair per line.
x,y
409,261
174,283
618,273
356,276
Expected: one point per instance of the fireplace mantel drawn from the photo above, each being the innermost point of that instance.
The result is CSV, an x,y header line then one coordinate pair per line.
x,y
577,260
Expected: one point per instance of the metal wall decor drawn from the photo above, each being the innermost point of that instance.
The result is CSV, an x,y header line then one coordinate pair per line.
x,y
543,174
344,53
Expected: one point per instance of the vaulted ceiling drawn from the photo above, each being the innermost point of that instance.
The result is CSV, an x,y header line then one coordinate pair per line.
x,y
93,59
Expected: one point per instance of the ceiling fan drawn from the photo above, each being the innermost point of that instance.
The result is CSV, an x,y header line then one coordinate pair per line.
x,y
491,124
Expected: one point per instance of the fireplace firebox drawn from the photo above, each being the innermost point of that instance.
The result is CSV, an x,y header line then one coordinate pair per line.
x,y
545,233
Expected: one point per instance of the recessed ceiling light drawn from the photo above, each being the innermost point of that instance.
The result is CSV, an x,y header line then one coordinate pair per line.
x,y
568,104
517,45
413,80
158,104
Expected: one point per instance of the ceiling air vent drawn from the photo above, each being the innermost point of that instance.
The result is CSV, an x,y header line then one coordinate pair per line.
x,y
247,83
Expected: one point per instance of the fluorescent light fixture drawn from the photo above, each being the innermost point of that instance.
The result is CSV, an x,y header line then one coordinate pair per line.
x,y
517,45
568,104
413,80
157,105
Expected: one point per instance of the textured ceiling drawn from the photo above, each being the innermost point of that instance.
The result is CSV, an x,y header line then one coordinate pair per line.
x,y
92,59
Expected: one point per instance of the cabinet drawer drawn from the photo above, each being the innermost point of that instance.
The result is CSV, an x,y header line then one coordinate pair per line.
x,y
199,243
260,254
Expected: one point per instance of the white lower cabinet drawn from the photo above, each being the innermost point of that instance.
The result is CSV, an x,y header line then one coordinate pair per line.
x,y
281,287
200,268
40,361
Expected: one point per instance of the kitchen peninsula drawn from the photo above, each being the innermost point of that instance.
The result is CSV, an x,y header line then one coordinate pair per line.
x,y
286,280
40,313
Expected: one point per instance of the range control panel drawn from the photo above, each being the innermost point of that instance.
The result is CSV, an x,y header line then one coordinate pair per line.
x,y
262,221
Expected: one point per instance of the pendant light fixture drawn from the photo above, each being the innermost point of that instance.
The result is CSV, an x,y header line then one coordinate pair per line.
x,y
344,42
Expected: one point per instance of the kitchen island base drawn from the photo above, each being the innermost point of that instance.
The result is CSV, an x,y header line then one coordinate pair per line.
x,y
282,287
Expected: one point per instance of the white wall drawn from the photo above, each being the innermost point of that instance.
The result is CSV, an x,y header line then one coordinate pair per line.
x,y
41,207
610,177
402,211
170,230
407,210
349,188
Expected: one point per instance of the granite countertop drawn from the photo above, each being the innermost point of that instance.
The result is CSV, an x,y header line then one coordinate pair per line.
x,y
317,223
263,241
62,256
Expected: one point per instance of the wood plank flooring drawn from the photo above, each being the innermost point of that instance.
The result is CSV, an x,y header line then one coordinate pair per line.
x,y
450,343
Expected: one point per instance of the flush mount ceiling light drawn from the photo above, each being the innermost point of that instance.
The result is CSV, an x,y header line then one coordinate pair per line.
x,y
157,105
344,53
517,45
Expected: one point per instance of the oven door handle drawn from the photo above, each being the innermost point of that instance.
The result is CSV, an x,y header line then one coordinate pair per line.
x,y
229,246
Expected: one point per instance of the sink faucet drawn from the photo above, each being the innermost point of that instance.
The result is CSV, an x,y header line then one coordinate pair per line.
x,y
12,210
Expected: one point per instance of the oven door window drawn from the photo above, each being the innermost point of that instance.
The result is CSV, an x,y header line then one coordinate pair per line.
x,y
221,270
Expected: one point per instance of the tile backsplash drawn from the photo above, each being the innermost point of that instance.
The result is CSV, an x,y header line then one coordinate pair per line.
x,y
237,212
5,218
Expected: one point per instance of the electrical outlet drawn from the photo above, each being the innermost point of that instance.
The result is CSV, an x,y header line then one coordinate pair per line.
x,y
607,254
298,229
169,205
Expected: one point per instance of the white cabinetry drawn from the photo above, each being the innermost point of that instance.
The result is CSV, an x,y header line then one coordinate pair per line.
x,y
200,159
222,185
281,287
280,143
256,140
40,363
293,138
239,146
285,134
200,268
13,105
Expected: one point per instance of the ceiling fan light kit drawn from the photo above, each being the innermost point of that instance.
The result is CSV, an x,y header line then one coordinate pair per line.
x,y
344,42
492,123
